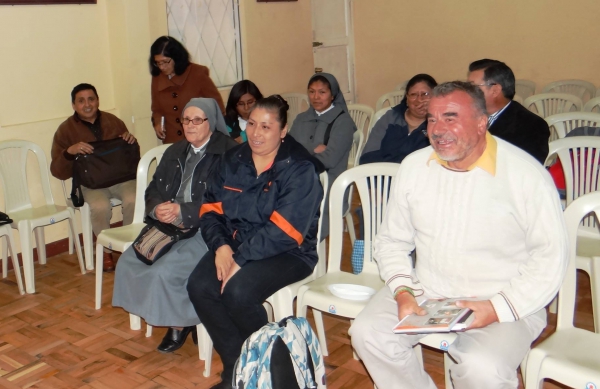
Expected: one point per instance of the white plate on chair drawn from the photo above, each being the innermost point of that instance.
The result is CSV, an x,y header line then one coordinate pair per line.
x,y
351,291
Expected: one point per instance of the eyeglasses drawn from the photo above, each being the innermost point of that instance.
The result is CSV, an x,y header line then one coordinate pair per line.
x,y
196,121
247,104
163,63
416,95
486,84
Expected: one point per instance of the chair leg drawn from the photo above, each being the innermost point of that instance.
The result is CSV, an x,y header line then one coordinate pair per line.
x,y
10,242
27,254
553,305
595,289
205,346
447,363
148,330
135,322
88,236
350,225
5,244
320,331
99,252
40,243
71,222
354,354
419,353
70,235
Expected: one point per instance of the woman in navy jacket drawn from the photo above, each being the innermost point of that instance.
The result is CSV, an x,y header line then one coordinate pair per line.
x,y
259,221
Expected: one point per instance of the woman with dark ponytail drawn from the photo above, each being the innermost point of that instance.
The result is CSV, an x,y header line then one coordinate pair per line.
x,y
259,220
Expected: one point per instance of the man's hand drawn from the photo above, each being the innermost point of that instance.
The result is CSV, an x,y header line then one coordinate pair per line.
x,y
223,261
80,148
484,312
408,305
167,212
128,137
160,133
232,270
320,149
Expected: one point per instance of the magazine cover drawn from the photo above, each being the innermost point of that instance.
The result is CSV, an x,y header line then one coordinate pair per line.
x,y
442,316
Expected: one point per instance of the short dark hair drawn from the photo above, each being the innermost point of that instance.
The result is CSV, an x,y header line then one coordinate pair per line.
x,y
498,73
81,87
319,78
237,91
172,48
275,103
422,77
473,91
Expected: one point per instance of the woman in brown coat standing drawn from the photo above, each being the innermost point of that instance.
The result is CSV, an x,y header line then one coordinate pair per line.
x,y
175,81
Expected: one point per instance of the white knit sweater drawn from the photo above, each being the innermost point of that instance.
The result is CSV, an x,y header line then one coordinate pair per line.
x,y
498,237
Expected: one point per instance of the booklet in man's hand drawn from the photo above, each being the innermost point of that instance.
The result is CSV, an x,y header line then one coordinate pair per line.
x,y
442,316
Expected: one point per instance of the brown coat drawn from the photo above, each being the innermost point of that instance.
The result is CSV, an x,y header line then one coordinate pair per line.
x,y
169,97
73,131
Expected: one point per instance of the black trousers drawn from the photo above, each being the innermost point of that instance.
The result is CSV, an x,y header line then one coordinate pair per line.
x,y
233,316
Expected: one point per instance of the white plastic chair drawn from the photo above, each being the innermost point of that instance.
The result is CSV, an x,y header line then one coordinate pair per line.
x,y
580,159
26,217
570,355
362,116
373,182
121,238
547,104
281,302
298,103
593,105
563,123
8,246
377,116
518,99
583,89
392,99
86,227
402,85
524,88
355,152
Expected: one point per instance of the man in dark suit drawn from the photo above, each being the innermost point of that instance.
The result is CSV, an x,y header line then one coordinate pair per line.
x,y
508,119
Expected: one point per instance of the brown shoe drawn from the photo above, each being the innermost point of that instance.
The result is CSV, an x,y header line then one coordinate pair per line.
x,y
108,265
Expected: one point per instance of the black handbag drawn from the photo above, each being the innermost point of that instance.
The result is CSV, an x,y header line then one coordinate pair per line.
x,y
157,238
113,161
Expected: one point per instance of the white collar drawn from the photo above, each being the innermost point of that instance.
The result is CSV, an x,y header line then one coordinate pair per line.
x,y
324,112
198,149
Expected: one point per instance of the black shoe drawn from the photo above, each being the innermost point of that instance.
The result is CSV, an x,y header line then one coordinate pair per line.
x,y
174,339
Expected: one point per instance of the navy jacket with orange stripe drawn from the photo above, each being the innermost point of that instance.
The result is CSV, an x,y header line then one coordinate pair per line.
x,y
260,217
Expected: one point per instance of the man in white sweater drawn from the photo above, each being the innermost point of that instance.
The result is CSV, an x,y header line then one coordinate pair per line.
x,y
486,222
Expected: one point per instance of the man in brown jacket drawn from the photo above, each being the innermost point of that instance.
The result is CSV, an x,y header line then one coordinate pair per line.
x,y
89,124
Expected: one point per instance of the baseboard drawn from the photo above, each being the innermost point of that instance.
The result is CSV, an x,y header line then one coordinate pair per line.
x,y
55,248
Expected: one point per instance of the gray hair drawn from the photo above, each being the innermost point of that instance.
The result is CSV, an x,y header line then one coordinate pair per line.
x,y
473,91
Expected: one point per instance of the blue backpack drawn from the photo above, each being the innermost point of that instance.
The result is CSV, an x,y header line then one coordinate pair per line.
x,y
281,355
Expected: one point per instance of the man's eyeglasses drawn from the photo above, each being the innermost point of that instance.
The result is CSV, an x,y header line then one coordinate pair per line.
x,y
486,84
416,95
196,121
163,63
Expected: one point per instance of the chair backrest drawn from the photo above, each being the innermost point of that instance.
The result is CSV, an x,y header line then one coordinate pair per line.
x,y
392,99
373,182
402,85
321,247
362,116
142,180
574,214
298,103
13,171
525,88
547,104
358,143
518,99
377,116
593,105
580,159
583,89
563,123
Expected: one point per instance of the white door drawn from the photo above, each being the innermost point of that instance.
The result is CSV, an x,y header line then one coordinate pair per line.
x,y
333,42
